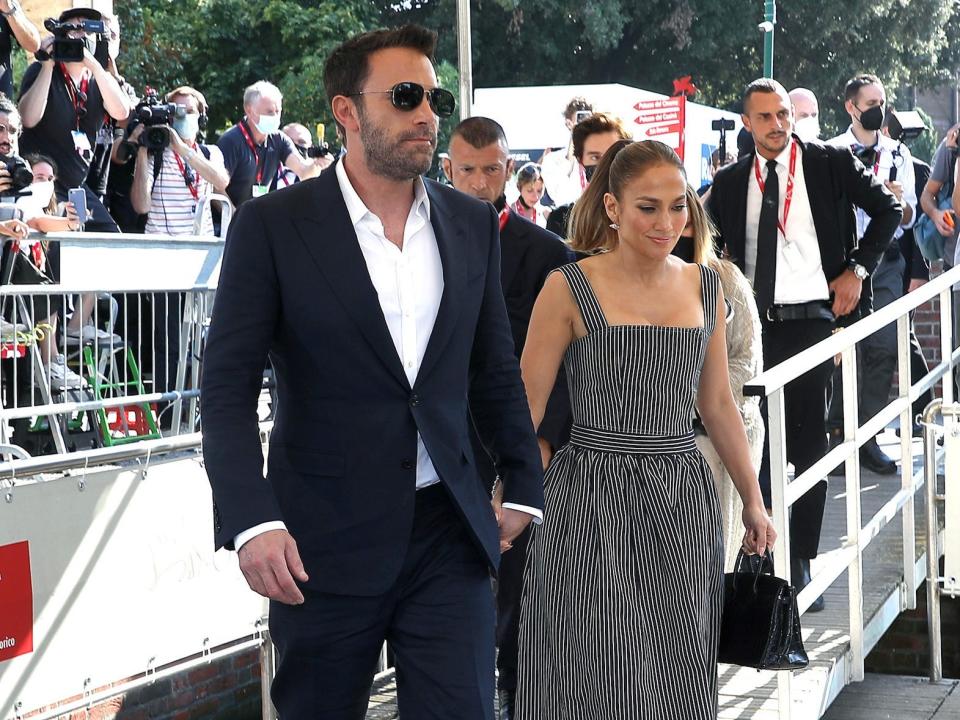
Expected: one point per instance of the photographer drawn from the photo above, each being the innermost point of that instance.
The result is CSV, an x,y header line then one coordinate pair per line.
x,y
303,142
14,25
63,99
254,148
174,173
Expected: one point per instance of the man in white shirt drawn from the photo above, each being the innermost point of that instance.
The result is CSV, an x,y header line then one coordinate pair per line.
x,y
377,295
892,164
785,213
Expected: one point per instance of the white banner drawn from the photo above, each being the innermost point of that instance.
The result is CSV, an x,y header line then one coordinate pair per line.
x,y
123,576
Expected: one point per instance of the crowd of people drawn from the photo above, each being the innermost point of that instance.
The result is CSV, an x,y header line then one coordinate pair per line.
x,y
537,372
135,164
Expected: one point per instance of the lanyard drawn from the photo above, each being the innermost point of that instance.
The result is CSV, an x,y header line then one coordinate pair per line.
x,y
504,216
193,187
253,149
788,198
78,99
583,177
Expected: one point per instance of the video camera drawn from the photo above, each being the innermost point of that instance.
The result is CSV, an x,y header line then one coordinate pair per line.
x,y
155,117
723,126
314,151
20,175
66,48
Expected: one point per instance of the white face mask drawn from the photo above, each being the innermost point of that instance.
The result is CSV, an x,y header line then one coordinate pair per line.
x,y
269,124
187,126
39,198
807,128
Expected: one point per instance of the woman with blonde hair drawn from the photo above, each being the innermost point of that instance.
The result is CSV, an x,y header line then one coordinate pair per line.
x,y
624,581
744,361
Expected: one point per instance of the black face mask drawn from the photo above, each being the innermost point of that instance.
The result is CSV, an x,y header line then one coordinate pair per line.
x,y
684,249
872,118
588,171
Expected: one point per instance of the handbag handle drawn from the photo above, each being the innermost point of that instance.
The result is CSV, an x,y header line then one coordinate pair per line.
x,y
764,559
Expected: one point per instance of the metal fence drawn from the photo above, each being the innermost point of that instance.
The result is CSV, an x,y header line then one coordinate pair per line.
x,y
785,492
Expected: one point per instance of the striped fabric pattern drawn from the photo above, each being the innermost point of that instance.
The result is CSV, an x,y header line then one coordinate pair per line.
x,y
623,587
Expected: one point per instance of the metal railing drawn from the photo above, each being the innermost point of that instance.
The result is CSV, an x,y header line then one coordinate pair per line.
x,y
785,493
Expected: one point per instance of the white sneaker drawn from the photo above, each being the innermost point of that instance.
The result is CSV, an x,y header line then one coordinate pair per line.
x,y
89,334
9,330
62,377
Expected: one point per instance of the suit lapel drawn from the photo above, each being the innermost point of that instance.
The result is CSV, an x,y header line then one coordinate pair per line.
x,y
453,256
816,176
332,243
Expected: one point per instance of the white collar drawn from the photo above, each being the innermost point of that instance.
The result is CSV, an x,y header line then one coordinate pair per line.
x,y
355,206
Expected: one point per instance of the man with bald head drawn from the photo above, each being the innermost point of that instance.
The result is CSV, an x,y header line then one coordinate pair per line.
x,y
806,113
786,214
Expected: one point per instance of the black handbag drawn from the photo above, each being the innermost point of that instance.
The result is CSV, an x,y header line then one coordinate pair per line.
x,y
761,625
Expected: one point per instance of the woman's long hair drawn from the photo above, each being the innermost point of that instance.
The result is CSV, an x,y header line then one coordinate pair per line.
x,y
590,230
704,252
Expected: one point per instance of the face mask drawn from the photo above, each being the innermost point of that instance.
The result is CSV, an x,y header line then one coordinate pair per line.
x,y
90,41
684,249
807,129
872,118
187,126
269,124
42,192
588,171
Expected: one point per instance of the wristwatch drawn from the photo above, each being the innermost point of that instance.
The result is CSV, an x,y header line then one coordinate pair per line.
x,y
859,270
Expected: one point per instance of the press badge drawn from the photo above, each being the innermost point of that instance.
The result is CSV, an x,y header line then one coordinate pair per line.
x,y
81,144
260,190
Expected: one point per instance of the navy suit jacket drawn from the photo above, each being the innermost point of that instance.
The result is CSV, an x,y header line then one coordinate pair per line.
x,y
341,471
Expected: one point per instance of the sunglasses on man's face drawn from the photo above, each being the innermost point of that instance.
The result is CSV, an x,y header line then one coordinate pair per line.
x,y
407,96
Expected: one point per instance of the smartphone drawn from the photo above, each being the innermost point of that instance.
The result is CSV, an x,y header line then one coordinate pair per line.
x,y
583,115
78,197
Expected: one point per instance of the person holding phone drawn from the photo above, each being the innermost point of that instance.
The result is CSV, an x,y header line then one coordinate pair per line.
x,y
560,170
63,105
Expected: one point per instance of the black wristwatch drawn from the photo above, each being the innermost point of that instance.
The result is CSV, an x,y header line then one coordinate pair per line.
x,y
41,55
859,270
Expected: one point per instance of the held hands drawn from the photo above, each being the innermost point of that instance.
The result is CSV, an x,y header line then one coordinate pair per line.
x,y
760,535
846,290
271,565
511,522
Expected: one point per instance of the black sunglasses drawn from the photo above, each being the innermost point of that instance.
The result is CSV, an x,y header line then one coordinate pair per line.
x,y
407,96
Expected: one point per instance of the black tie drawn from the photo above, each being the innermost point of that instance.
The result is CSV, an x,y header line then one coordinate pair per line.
x,y
765,275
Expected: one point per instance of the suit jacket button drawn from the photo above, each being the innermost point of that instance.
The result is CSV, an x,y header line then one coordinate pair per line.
x,y
408,465
414,400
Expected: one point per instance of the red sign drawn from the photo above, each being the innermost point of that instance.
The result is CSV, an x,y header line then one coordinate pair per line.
x,y
663,119
16,599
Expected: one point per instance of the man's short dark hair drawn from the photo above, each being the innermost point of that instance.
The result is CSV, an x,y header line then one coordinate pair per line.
x,y
596,124
8,107
348,65
857,82
762,85
577,104
479,132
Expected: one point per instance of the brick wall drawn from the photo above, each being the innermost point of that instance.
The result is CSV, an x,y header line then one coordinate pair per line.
x,y
228,689
905,648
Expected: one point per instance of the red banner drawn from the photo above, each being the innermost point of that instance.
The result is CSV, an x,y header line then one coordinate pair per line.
x,y
16,601
663,120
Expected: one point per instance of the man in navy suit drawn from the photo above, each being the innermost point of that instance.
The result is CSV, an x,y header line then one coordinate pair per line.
x,y
478,163
377,295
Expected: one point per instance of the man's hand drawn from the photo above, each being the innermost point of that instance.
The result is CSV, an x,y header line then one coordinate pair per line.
x,y
176,143
939,220
512,523
46,45
846,293
916,283
271,563
896,188
6,182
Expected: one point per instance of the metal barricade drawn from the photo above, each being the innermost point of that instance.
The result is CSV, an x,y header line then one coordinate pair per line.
x,y
785,493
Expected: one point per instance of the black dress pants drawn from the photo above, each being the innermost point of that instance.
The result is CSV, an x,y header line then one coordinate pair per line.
x,y
509,595
438,618
806,408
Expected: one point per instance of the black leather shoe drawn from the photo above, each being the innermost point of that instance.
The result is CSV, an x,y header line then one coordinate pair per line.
x,y
874,459
507,698
800,577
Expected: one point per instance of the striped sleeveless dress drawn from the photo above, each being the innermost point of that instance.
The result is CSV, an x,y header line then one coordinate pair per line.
x,y
623,587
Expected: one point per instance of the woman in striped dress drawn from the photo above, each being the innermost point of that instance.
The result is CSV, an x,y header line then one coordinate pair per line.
x,y
623,586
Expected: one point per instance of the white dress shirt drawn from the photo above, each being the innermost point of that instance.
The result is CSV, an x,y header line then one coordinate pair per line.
x,y
890,154
800,277
409,285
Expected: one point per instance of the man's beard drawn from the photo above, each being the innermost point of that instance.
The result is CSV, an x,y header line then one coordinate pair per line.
x,y
392,157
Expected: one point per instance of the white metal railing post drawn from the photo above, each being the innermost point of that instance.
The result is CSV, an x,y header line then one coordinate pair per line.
x,y
267,670
851,424
933,554
908,527
946,341
777,431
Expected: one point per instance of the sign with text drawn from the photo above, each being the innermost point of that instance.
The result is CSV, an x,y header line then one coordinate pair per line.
x,y
662,119
16,599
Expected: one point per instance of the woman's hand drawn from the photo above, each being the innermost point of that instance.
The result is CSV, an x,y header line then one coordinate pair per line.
x,y
73,220
16,229
760,535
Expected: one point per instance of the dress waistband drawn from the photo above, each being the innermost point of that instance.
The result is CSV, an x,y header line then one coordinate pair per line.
x,y
621,442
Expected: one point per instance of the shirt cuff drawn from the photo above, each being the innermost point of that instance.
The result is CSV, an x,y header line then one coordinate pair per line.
x,y
537,514
247,535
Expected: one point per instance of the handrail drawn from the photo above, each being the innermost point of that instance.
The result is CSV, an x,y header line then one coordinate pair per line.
x,y
129,240
778,376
